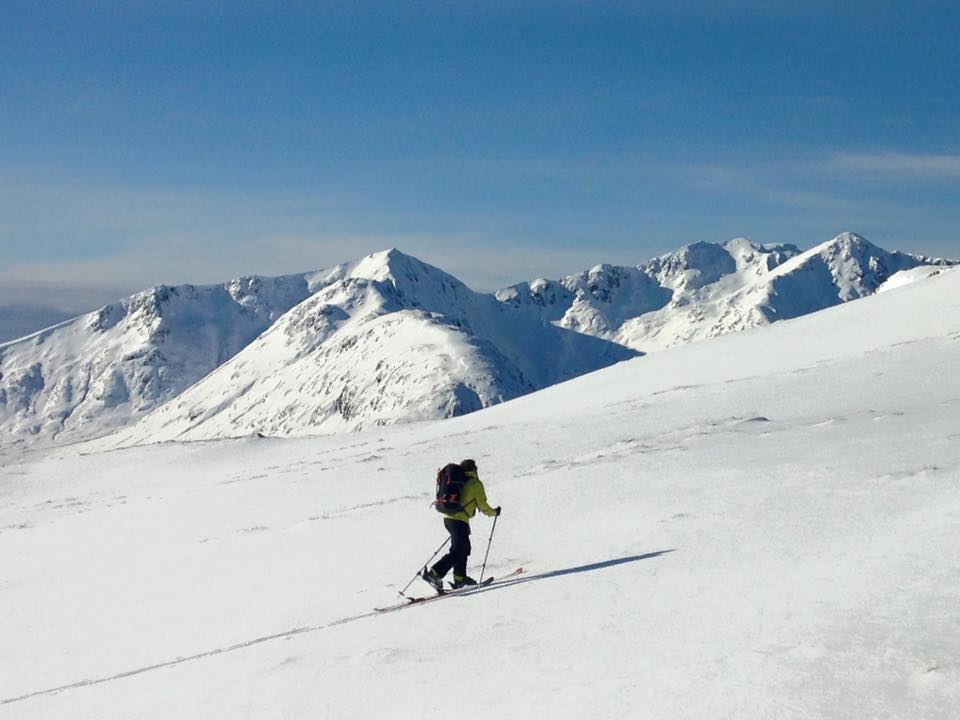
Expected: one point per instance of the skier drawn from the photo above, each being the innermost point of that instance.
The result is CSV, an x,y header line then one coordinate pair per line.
x,y
473,496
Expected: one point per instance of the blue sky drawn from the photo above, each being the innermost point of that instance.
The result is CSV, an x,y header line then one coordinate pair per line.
x,y
171,142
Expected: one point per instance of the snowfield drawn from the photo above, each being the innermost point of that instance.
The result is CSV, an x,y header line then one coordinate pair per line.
x,y
759,525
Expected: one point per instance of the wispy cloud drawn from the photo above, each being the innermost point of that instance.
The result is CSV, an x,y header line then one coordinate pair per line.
x,y
784,184
900,165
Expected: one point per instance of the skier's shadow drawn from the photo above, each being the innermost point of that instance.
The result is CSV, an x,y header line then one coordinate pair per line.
x,y
570,571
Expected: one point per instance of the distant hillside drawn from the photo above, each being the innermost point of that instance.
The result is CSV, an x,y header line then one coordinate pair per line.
x,y
105,369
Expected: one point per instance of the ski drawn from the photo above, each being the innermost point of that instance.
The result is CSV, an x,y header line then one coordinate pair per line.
x,y
448,593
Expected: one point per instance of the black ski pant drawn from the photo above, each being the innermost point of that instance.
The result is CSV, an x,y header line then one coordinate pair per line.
x,y
456,557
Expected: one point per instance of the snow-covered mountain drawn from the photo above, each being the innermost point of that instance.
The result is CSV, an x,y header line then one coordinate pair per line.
x,y
388,339
384,339
759,525
704,290
100,371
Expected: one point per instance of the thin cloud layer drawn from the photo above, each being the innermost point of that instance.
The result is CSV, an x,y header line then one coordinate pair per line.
x,y
918,165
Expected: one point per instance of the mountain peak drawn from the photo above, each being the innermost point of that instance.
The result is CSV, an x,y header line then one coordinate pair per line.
x,y
841,269
403,277
385,260
848,236
847,243
391,266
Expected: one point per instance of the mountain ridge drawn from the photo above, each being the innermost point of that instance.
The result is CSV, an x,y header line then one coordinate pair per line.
x,y
708,289
453,350
98,371
385,339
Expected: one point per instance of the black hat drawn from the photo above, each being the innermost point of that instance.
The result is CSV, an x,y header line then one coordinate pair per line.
x,y
468,465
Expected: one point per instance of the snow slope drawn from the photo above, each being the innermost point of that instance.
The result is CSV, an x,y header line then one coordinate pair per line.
x,y
386,339
905,277
760,525
100,371
705,290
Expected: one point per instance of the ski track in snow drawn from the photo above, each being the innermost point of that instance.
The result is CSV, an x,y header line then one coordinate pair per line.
x,y
191,658
325,626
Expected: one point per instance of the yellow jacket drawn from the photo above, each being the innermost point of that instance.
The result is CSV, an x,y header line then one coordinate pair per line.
x,y
474,496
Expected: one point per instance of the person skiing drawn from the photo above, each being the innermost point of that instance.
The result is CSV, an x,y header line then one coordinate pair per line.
x,y
472,496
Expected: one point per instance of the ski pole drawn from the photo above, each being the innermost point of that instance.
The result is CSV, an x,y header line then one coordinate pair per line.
x,y
486,554
425,566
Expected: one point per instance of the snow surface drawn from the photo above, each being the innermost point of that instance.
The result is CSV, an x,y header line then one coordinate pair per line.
x,y
761,525
905,277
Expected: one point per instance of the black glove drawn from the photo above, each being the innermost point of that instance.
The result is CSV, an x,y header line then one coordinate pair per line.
x,y
497,510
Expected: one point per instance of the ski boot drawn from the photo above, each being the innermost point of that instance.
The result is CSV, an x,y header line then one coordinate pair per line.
x,y
465,581
431,577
